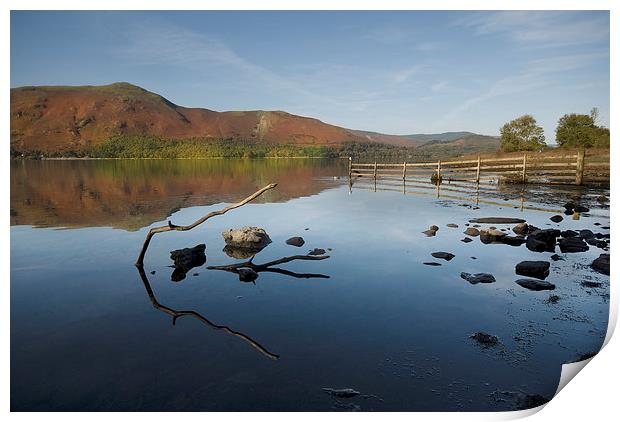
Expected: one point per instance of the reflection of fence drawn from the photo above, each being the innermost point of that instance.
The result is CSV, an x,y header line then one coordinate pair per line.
x,y
578,168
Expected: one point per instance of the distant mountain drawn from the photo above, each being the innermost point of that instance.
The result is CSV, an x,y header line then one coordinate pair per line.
x,y
462,145
61,119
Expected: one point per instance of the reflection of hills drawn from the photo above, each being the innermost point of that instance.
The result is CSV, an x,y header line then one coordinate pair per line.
x,y
131,194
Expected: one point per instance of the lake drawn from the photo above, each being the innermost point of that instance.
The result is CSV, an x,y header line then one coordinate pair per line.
x,y
90,331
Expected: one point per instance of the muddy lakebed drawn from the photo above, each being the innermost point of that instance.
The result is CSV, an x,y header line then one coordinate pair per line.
x,y
390,314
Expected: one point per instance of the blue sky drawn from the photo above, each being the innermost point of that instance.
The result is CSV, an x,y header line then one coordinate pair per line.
x,y
391,72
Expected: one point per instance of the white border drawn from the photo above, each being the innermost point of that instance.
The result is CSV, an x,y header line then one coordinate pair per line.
x,y
591,396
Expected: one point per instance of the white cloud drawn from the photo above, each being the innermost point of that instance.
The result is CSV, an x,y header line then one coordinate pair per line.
x,y
403,75
440,86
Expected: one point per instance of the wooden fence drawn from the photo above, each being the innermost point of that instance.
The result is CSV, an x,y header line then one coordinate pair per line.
x,y
572,168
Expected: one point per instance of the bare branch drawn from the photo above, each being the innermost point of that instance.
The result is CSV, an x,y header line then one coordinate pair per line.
x,y
171,227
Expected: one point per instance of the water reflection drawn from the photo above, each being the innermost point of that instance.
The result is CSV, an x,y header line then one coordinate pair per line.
x,y
131,194
175,314
248,271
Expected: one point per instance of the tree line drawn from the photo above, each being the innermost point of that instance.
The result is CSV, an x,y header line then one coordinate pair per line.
x,y
573,131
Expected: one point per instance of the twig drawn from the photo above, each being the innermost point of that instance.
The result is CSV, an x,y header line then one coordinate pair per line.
x,y
170,226
177,314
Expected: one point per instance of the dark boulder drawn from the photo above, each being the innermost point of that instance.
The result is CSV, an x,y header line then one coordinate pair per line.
x,y
601,264
581,208
586,234
467,240
484,338
536,285
186,259
537,269
343,393
478,278
247,275
296,241
569,205
432,264
443,255
573,245
317,251
556,257
556,218
569,233
542,240
512,240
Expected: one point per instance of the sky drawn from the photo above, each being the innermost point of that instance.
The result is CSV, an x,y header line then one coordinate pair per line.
x,y
390,72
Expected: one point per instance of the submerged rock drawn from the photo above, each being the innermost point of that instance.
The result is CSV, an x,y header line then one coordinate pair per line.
x,y
186,259
317,251
537,269
343,393
452,225
472,231
573,245
556,218
467,240
497,220
478,278
296,241
432,264
591,284
247,275
553,299
556,257
536,285
443,255
484,338
601,264
254,238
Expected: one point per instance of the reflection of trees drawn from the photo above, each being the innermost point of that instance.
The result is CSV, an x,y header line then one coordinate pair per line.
x,y
267,267
177,314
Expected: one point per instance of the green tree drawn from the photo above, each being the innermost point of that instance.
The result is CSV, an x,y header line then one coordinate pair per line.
x,y
580,131
522,134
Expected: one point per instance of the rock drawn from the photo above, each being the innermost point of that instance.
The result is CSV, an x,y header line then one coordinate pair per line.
x,y
597,243
581,208
591,284
186,259
478,278
521,228
467,240
569,206
343,393
296,241
432,231
602,199
568,233
443,255
484,338
432,264
317,251
536,285
247,275
569,212
497,220
452,225
537,269
491,235
434,227
542,240
513,240
153,272
586,234
597,224
471,231
601,264
572,245
253,238
556,257
556,218
553,299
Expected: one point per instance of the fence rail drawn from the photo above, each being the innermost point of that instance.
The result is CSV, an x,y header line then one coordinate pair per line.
x,y
579,168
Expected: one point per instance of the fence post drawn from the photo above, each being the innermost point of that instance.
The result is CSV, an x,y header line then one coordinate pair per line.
x,y
375,173
438,172
580,164
478,171
404,170
523,179
350,164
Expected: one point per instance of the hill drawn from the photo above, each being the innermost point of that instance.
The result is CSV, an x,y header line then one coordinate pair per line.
x,y
124,120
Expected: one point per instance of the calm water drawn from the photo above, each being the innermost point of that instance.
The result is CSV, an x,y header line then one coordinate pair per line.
x,y
90,332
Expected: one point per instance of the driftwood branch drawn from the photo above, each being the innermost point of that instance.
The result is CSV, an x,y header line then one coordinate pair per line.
x,y
177,314
170,227
267,266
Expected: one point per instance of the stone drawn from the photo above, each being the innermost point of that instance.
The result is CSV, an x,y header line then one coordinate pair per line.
x,y
521,229
542,240
569,233
591,284
478,278
240,253
569,205
586,233
430,233
185,259
491,235
601,264
537,269
317,251
344,393
443,255
467,240
581,208
471,231
452,225
536,285
296,241
247,275
512,240
254,238
434,227
556,218
484,338
553,299
497,220
573,245
432,264
556,257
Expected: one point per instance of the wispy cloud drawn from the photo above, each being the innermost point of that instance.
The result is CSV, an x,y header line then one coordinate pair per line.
x,y
439,86
542,29
407,73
